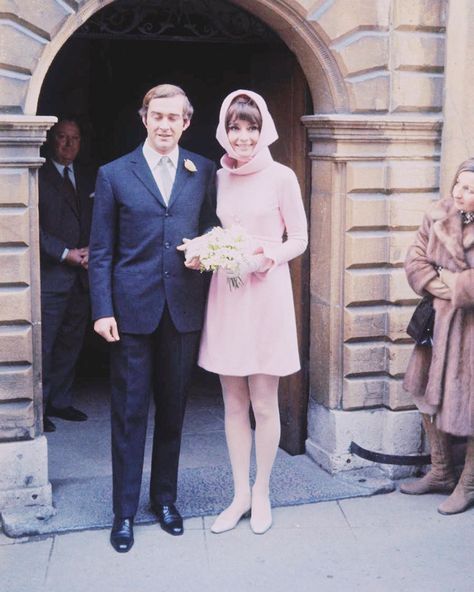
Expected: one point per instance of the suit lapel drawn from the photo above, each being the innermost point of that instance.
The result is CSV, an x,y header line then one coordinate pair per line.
x,y
82,195
182,177
61,187
142,171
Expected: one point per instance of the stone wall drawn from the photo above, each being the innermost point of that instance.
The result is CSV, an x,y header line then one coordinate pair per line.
x,y
23,456
374,173
372,179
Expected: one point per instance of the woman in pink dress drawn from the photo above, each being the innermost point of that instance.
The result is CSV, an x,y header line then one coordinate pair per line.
x,y
249,336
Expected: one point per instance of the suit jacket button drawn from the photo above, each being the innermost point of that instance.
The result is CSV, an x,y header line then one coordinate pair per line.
x,y
166,274
167,245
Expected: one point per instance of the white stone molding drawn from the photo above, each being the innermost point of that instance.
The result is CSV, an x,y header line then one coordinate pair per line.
x,y
374,137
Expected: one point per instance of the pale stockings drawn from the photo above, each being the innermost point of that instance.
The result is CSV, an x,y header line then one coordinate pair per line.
x,y
262,392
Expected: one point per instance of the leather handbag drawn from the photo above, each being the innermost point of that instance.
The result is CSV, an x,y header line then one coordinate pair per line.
x,y
421,325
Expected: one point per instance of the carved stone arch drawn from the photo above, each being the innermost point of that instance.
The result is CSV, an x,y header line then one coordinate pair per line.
x,y
285,17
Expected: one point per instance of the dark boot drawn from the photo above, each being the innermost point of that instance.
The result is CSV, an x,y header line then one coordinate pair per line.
x,y
462,497
441,477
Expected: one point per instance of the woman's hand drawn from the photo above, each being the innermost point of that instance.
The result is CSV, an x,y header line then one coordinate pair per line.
x,y
448,278
436,287
256,262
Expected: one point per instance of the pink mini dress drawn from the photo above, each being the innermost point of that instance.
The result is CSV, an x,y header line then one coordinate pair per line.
x,y
252,329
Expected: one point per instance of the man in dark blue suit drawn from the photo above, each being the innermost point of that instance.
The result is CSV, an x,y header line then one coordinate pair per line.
x,y
147,303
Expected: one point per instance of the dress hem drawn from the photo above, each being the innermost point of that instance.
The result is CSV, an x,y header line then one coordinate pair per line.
x,y
248,373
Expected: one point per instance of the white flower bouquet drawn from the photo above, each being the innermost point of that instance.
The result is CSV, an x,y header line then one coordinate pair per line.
x,y
226,249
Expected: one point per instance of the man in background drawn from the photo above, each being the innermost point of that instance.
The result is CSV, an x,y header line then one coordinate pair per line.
x,y
65,211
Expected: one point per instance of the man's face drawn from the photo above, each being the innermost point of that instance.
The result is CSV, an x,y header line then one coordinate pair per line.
x,y
165,123
66,142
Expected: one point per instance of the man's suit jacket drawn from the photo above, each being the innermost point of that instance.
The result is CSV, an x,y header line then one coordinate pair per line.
x,y
62,225
134,266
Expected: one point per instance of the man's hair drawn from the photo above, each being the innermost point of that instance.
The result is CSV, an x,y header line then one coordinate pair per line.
x,y
166,91
243,107
66,119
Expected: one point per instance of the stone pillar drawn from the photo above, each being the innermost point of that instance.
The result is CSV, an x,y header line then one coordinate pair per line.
x,y
458,129
373,176
23,452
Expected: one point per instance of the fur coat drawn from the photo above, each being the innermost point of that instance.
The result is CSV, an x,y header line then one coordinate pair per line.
x,y
441,378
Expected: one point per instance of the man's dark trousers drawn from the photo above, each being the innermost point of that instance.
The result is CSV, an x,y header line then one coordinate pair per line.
x,y
64,317
159,363
138,277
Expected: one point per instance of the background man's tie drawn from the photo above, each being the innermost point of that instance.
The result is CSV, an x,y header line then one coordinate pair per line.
x,y
164,175
70,185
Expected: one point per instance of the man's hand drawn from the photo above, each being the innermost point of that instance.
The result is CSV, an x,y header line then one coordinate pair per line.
x,y
107,328
85,258
194,263
190,247
75,256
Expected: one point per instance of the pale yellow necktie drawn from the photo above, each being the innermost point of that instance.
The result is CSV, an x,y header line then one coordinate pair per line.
x,y
164,174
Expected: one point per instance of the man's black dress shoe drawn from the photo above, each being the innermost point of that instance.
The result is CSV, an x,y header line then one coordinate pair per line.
x,y
169,518
48,425
67,413
121,536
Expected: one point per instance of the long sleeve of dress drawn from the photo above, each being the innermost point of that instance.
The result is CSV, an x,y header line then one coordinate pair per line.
x,y
294,218
419,269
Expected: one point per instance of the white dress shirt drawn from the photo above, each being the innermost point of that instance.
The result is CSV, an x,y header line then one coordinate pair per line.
x,y
153,157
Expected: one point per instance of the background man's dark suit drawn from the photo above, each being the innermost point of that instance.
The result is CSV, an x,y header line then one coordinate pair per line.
x,y
65,219
138,277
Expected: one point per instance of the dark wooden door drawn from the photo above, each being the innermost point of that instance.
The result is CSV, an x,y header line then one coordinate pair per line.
x,y
114,75
277,75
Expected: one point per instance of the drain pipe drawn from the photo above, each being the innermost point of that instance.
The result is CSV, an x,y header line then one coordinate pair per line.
x,y
389,459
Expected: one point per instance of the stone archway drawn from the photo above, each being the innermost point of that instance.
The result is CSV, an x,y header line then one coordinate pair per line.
x,y
102,71
286,18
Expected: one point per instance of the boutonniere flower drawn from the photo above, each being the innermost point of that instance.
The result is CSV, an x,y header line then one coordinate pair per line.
x,y
190,166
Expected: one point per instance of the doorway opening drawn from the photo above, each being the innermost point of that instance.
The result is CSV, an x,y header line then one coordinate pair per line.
x,y
100,76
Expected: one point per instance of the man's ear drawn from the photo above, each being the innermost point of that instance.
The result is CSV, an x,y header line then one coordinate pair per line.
x,y
187,123
144,120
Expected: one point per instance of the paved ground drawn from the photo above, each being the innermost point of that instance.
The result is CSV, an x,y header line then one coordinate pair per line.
x,y
80,468
386,543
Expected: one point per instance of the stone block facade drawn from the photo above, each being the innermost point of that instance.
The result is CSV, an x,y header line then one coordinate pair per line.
x,y
23,457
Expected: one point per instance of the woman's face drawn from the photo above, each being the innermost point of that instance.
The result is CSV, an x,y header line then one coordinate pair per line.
x,y
463,191
243,137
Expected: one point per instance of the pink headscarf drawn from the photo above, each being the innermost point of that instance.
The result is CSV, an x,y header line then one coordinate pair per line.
x,y
268,133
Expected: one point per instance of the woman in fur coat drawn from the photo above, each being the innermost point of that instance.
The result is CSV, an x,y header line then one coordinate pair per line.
x,y
441,377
